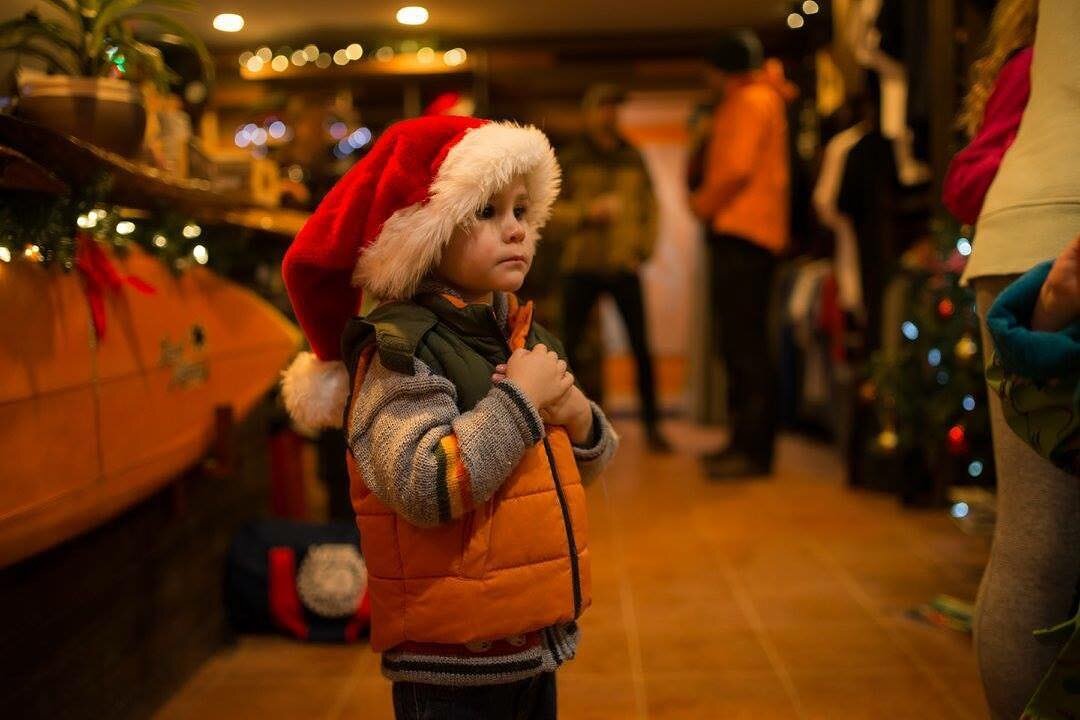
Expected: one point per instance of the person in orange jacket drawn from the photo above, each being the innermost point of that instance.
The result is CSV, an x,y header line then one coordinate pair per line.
x,y
744,199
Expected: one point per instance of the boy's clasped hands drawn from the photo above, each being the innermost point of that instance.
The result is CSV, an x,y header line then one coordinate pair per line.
x,y
545,380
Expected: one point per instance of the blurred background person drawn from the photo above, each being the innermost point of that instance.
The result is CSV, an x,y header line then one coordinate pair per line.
x,y
744,199
609,213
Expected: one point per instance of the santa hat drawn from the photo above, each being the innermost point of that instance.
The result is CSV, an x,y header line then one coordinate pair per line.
x,y
383,227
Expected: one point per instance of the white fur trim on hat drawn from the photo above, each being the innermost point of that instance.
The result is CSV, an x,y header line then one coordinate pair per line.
x,y
483,162
315,392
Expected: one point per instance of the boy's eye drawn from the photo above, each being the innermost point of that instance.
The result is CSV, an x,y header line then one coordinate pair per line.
x,y
487,212
519,212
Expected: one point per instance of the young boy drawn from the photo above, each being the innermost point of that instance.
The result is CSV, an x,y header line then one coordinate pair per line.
x,y
468,438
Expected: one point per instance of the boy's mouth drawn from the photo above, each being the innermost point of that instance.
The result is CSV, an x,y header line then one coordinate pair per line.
x,y
515,259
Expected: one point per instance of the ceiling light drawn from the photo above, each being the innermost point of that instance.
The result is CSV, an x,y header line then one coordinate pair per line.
x,y
385,53
229,22
299,59
354,51
341,58
255,63
246,56
311,52
795,21
425,55
412,15
280,63
264,54
323,61
810,7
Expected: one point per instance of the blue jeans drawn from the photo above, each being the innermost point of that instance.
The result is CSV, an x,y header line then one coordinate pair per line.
x,y
529,699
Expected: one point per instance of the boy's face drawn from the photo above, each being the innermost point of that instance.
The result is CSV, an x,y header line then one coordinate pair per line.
x,y
496,251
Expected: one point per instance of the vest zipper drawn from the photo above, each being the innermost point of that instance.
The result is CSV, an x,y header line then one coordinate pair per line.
x,y
575,569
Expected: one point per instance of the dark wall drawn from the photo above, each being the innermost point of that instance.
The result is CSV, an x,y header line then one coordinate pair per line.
x,y
109,624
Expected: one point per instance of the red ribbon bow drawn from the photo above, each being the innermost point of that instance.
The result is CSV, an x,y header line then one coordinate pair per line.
x,y
101,276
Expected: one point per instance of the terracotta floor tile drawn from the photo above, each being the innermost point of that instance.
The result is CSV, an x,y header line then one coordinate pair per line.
x,y
717,694
268,700
865,695
588,696
837,646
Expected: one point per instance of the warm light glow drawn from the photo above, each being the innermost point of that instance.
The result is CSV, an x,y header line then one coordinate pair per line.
x,y
323,60
255,64
277,129
265,54
259,136
311,52
5,254
192,231
84,221
245,57
280,63
160,241
795,21
454,57
385,53
229,22
200,254
425,55
125,227
412,15
299,59
354,51
810,7
341,58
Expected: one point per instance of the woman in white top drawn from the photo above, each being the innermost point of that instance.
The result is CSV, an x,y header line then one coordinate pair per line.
x,y
1031,212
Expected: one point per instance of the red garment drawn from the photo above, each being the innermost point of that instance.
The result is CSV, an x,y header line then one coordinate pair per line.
x,y
973,168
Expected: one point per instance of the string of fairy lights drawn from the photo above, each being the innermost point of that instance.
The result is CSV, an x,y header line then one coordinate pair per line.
x,y
284,57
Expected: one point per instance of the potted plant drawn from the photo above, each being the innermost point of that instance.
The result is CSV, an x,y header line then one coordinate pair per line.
x,y
92,59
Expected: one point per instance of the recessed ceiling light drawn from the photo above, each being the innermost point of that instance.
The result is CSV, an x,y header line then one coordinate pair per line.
x,y
795,21
229,22
412,15
810,7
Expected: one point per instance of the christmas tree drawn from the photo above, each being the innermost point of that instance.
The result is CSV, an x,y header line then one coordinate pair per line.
x,y
925,391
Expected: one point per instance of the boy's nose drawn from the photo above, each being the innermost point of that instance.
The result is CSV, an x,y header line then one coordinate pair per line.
x,y
515,233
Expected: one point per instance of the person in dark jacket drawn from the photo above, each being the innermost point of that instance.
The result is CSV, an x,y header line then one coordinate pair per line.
x,y
607,212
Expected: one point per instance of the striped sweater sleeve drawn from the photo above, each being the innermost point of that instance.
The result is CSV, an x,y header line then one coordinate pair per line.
x,y
426,460
593,457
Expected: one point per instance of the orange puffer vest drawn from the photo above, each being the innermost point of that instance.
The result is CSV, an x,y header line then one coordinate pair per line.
x,y
517,563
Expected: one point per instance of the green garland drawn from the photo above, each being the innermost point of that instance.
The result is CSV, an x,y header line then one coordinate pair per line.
x,y
43,228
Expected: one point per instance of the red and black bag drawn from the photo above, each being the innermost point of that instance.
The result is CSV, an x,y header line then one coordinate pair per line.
x,y
305,579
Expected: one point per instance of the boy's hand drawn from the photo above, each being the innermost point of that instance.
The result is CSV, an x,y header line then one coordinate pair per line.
x,y
1059,300
539,373
573,412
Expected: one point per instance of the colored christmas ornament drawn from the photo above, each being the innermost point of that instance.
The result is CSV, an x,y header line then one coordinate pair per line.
x,y
868,391
888,440
966,348
957,440
946,309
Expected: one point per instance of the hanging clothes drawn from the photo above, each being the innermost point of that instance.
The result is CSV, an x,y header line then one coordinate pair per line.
x,y
825,200
868,195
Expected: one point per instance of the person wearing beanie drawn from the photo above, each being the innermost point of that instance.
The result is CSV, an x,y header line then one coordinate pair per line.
x,y
607,212
468,441
743,199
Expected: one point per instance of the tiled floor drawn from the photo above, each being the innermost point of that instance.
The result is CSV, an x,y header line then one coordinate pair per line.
x,y
776,598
